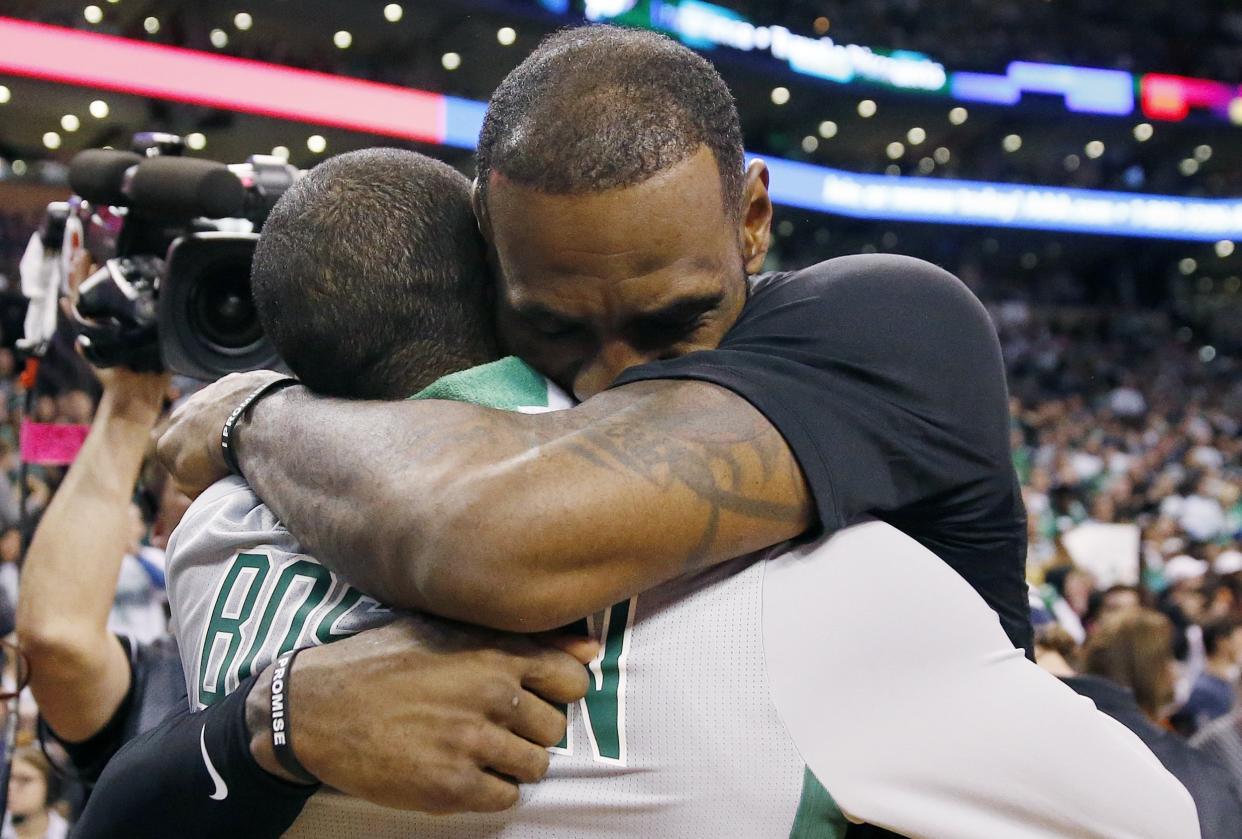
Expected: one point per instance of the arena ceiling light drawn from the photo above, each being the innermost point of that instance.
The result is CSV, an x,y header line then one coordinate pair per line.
x,y
171,73
5,95
393,12
110,63
99,109
958,115
243,21
219,38
827,129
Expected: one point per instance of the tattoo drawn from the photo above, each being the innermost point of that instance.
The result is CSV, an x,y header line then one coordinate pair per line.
x,y
710,453
365,487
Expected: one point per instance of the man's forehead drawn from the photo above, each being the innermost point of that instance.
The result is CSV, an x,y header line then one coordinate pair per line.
x,y
686,191
637,296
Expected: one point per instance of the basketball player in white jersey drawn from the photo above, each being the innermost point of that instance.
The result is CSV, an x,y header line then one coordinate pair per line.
x,y
701,717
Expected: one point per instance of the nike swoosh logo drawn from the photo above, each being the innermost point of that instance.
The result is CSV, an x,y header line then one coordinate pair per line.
x,y
222,789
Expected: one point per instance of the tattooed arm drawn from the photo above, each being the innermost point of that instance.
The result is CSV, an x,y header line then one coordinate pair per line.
x,y
525,522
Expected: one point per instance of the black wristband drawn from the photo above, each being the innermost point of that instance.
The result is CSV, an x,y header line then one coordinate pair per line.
x,y
228,433
282,739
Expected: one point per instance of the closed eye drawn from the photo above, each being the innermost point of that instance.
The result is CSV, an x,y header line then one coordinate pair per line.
x,y
551,325
655,333
558,331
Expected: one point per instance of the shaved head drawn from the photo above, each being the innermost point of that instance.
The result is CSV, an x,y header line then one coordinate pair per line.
x,y
600,107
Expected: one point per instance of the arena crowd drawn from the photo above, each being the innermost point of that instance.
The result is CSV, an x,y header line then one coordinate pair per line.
x,y
1125,435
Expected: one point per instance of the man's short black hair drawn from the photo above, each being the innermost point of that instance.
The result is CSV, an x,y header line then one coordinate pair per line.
x,y
1217,630
369,275
600,107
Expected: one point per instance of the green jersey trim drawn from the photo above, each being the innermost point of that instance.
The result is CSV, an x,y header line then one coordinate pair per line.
x,y
818,816
507,385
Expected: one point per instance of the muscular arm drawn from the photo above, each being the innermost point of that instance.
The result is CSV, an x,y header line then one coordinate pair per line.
x,y
525,522
79,673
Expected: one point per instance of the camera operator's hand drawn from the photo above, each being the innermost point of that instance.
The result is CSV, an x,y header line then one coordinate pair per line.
x,y
136,396
188,444
426,714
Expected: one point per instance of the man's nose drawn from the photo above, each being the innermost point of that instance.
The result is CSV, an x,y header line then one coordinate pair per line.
x,y
611,361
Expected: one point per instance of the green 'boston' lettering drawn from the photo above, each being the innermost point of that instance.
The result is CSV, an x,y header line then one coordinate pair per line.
x,y
211,686
255,636
324,633
322,581
605,699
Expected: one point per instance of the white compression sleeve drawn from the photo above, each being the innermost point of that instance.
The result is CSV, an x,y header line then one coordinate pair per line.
x,y
908,702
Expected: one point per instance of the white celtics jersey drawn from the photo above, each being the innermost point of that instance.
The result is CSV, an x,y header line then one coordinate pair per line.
x,y
677,737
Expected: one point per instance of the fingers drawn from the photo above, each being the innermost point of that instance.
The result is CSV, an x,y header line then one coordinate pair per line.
x,y
493,794
537,721
510,755
580,647
462,790
555,676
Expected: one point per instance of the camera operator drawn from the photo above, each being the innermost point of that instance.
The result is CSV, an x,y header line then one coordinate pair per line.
x,y
95,689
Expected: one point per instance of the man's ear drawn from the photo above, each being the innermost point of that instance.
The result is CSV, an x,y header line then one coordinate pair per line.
x,y
756,226
480,211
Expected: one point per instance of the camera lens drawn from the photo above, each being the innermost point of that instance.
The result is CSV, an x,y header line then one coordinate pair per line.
x,y
208,323
222,310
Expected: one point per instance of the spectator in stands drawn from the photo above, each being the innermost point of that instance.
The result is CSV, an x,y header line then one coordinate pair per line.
x,y
1133,649
1214,691
1055,650
1119,598
138,608
1222,740
10,554
33,790
75,407
1128,674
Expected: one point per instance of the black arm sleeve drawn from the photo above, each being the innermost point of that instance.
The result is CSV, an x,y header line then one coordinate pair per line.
x,y
160,786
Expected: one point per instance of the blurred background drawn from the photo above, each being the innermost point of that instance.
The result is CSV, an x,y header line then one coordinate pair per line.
x,y
1078,165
